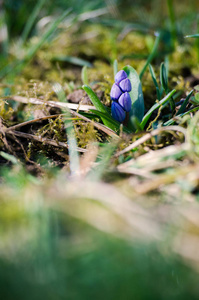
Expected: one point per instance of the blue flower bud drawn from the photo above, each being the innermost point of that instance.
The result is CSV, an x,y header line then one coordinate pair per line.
x,y
115,92
117,112
120,76
125,101
125,85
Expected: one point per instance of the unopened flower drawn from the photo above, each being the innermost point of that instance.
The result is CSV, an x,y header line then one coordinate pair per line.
x,y
125,101
115,92
120,76
125,85
117,112
120,96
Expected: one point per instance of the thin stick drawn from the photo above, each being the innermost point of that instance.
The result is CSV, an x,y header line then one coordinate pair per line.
x,y
42,140
147,136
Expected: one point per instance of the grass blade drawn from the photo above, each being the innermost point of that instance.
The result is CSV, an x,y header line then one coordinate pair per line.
x,y
31,20
72,143
183,106
154,81
84,75
115,67
155,106
73,60
151,55
114,125
106,117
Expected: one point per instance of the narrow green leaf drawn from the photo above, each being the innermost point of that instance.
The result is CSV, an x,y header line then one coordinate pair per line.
x,y
155,106
99,106
154,81
94,99
192,36
72,60
152,54
115,67
9,157
84,75
104,159
183,106
136,95
71,139
163,77
113,124
31,20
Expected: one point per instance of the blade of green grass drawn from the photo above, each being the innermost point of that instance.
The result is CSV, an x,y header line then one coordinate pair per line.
x,y
106,118
154,81
9,157
115,67
18,65
114,124
155,106
31,20
103,162
152,54
84,75
72,60
192,36
183,106
72,143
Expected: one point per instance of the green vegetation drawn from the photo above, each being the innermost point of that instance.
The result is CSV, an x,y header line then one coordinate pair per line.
x,y
91,208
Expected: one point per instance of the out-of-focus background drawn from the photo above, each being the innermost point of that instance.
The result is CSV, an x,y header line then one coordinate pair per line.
x,y
103,234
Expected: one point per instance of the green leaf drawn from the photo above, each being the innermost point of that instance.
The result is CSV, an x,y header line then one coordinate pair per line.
x,y
84,75
70,131
99,106
115,67
152,54
192,36
154,81
72,60
113,124
9,157
163,77
136,95
155,106
183,106
31,20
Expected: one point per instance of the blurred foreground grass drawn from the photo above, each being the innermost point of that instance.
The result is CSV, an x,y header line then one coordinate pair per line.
x,y
124,224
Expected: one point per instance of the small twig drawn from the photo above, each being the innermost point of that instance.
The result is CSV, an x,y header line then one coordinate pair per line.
x,y
42,140
14,127
147,136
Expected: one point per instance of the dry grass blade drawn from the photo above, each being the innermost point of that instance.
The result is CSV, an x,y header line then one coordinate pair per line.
x,y
147,136
154,160
69,106
159,180
51,103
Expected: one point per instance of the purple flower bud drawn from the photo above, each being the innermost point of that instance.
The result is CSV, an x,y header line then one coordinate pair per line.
x,y
117,112
125,101
115,92
120,76
125,85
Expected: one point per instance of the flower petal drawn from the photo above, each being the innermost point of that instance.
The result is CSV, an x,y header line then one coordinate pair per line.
x,y
120,76
115,92
125,85
117,112
125,101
